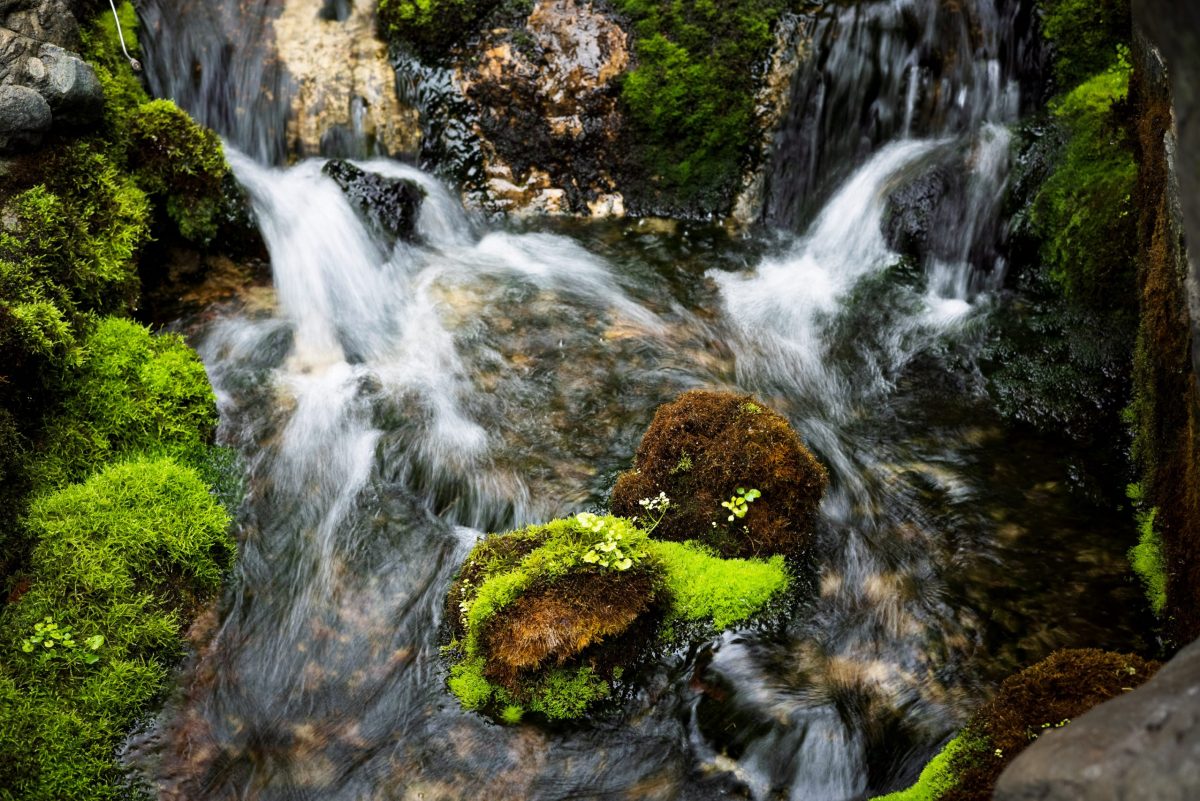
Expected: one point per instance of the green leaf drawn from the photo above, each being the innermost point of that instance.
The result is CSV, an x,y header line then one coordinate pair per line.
x,y
27,647
95,641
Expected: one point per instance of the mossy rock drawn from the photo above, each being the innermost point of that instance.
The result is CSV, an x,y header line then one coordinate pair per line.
x,y
550,618
705,446
1045,696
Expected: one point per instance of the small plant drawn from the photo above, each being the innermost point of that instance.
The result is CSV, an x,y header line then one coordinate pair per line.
x,y
607,553
54,643
657,505
739,504
684,465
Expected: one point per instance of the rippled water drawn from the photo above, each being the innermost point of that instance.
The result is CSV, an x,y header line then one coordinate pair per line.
x,y
397,401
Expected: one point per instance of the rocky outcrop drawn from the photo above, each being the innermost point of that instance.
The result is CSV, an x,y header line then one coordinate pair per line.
x,y
42,82
546,111
1141,745
345,102
1167,389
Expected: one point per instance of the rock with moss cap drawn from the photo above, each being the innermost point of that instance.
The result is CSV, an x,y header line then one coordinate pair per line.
x,y
552,619
739,477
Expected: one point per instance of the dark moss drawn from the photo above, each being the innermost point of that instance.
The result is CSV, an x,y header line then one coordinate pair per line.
x,y
1165,412
1084,34
703,447
433,27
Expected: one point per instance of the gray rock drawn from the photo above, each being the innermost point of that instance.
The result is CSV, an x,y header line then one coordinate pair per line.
x,y
68,84
1142,745
24,115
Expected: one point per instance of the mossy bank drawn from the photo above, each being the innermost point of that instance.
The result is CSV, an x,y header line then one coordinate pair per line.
x,y
111,533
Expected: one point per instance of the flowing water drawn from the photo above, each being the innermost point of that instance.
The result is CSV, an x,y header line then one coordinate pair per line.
x,y
398,400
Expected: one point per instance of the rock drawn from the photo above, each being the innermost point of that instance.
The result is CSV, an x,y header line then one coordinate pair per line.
x,y
703,447
345,102
68,84
24,115
391,205
1141,745
911,209
41,21
546,114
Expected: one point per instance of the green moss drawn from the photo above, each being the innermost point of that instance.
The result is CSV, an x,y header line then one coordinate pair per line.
x,y
564,694
723,591
1083,211
433,27
123,91
133,393
1084,34
939,775
127,555
175,159
690,96
1146,558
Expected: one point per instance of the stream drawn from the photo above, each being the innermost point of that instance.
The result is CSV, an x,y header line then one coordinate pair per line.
x,y
392,402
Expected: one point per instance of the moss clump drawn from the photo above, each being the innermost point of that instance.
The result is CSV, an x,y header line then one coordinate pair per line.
x,y
126,556
433,27
1146,558
1084,34
1047,695
731,442
132,393
545,619
690,97
182,162
939,775
1083,211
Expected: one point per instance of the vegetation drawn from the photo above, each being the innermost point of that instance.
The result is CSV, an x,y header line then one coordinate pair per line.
x,y
121,562
690,96
1083,211
547,618
729,442
110,534
433,27
1083,35
1047,695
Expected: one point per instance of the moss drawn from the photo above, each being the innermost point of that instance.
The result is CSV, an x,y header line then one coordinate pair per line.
x,y
127,555
939,775
1083,211
1084,34
123,91
132,393
722,591
547,618
729,447
1047,695
178,160
432,27
690,97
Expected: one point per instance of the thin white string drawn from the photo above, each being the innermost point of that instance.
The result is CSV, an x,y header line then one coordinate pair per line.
x,y
133,62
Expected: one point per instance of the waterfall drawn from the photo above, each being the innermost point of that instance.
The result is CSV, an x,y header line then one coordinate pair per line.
x,y
402,398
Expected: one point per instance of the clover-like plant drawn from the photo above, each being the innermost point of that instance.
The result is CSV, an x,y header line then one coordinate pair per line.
x,y
608,552
52,642
739,504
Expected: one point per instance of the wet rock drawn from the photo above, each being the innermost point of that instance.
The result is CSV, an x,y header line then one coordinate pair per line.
x,y
1143,744
911,209
547,116
391,205
345,102
24,115
738,477
68,84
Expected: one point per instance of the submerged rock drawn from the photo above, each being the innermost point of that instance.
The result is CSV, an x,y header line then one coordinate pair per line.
x,y
1143,744
550,619
738,476
391,205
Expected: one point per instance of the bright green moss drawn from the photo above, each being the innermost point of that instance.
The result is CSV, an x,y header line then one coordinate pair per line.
x,y
132,393
690,96
1084,35
1146,558
723,591
176,159
127,555
123,92
939,775
1083,211
564,694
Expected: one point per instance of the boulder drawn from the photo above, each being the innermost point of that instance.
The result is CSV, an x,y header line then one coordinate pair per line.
x,y
1144,744
390,205
737,476
24,116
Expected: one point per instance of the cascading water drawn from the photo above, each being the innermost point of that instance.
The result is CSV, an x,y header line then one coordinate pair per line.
x,y
402,398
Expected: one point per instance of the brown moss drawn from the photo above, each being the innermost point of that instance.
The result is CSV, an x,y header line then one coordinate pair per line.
x,y
700,449
493,554
1047,695
1167,398
556,624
